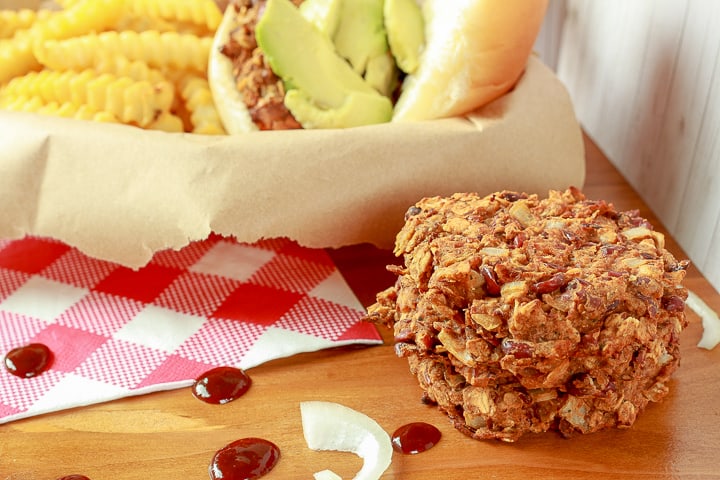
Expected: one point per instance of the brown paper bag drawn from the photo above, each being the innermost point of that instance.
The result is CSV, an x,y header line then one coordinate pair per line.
x,y
120,193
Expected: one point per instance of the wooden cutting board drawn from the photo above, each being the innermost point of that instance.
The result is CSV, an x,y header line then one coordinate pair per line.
x,y
173,435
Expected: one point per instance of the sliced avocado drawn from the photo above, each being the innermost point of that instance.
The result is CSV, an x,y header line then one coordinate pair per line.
x,y
307,63
361,39
360,34
358,109
405,31
324,14
382,73
304,58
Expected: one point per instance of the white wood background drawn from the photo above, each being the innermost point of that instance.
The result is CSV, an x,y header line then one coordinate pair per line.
x,y
644,76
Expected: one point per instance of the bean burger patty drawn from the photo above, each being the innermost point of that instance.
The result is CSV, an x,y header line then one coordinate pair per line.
x,y
519,314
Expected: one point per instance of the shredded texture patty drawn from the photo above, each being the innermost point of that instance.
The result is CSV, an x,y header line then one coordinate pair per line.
x,y
262,91
519,314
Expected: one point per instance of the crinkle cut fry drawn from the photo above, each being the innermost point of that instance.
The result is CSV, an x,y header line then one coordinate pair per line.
x,y
12,21
158,50
16,58
18,55
124,43
199,12
131,101
204,117
141,23
166,122
136,69
55,109
80,18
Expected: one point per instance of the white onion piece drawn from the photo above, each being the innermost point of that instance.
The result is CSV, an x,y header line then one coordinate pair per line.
x,y
331,426
710,321
326,475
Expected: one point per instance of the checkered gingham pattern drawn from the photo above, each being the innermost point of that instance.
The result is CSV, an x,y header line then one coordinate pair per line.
x,y
117,332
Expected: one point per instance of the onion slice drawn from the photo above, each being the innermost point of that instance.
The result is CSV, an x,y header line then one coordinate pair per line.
x,y
326,475
710,321
331,426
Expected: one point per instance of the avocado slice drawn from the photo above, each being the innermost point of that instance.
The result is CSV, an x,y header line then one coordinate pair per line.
x,y
405,27
359,109
306,61
378,69
360,34
382,73
361,39
324,14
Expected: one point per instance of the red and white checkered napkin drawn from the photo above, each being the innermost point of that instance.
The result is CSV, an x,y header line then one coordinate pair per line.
x,y
117,332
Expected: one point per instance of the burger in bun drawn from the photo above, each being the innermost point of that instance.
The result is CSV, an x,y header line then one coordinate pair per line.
x,y
288,64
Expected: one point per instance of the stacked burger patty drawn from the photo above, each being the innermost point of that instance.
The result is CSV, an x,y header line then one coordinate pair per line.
x,y
519,314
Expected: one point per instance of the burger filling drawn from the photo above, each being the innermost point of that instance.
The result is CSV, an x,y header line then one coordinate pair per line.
x,y
263,92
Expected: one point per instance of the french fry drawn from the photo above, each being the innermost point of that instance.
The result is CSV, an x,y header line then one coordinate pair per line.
x,y
141,23
21,103
13,20
199,12
199,102
16,58
65,110
82,17
129,100
122,67
138,62
167,122
158,50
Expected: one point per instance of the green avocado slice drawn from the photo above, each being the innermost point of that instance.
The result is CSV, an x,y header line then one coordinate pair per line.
x,y
406,32
359,109
324,14
306,61
360,34
361,39
382,73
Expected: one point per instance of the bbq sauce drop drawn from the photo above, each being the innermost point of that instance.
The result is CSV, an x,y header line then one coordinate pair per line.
x,y
415,438
74,477
244,459
28,361
221,385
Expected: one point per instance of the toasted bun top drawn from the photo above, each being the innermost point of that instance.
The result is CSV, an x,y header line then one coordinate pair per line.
x,y
474,53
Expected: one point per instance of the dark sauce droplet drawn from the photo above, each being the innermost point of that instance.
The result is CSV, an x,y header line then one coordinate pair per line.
x,y
29,361
74,477
221,385
415,437
244,459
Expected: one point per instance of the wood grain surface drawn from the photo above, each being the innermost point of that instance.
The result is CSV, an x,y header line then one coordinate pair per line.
x,y
171,435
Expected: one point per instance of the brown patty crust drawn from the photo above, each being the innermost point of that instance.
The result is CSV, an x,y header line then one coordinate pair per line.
x,y
519,314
